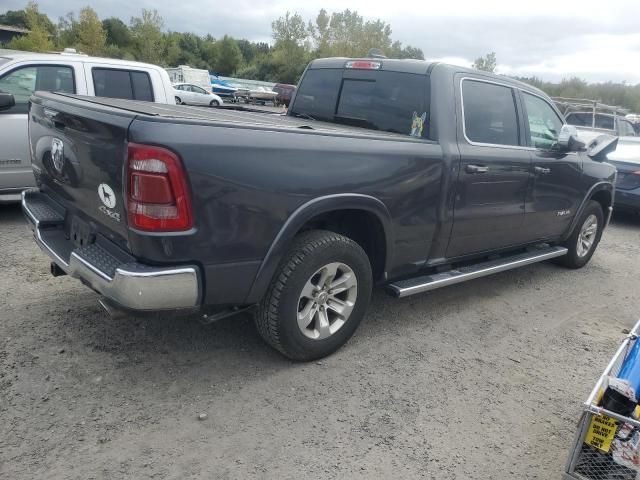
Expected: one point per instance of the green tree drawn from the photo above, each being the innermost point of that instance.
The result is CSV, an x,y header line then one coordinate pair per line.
x,y
91,35
289,30
487,63
147,36
117,32
229,56
291,50
39,38
67,31
18,18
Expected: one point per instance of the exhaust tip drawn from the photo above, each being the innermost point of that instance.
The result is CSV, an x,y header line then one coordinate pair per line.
x,y
111,309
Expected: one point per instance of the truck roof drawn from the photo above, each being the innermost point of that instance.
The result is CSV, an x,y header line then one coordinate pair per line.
x,y
61,57
421,67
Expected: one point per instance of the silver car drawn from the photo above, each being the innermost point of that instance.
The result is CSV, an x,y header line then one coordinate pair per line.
x,y
189,94
22,73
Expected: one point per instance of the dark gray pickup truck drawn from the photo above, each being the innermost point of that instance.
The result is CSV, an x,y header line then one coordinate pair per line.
x,y
404,173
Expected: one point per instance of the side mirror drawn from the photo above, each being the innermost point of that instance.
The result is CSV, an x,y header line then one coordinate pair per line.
x,y
568,139
6,101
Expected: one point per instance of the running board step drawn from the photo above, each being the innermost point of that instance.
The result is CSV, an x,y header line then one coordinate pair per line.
x,y
425,283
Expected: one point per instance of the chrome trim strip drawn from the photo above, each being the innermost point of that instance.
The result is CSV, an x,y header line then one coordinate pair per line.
x,y
452,277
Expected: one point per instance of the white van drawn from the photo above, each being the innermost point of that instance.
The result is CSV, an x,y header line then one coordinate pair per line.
x,y
22,73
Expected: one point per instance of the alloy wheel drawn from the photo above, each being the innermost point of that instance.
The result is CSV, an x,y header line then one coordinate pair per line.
x,y
327,300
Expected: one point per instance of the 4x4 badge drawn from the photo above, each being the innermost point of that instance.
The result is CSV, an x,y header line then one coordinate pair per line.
x,y
57,154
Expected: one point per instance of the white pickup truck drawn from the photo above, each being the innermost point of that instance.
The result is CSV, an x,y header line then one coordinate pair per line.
x,y
22,73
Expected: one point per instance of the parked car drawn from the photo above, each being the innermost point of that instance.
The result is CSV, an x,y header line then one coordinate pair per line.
x,y
21,73
626,159
593,118
603,123
193,76
189,94
405,173
285,93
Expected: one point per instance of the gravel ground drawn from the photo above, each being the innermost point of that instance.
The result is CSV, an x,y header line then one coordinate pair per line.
x,y
475,381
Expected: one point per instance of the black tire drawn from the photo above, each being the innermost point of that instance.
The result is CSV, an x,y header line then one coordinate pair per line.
x,y
573,259
276,319
178,101
214,103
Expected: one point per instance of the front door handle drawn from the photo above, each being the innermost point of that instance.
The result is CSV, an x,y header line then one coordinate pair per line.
x,y
476,169
542,170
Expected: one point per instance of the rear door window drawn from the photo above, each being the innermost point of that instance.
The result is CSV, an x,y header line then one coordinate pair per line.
x,y
489,113
23,81
604,121
579,119
378,100
127,84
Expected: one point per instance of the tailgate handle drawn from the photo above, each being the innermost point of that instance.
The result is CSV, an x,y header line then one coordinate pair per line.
x,y
59,125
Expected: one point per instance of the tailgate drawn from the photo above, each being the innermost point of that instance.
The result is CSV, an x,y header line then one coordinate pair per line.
x,y
78,152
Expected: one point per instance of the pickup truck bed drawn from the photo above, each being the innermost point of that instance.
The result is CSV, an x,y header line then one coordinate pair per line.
x,y
232,116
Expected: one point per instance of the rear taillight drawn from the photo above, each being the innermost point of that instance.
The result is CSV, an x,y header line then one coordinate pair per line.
x,y
637,172
157,193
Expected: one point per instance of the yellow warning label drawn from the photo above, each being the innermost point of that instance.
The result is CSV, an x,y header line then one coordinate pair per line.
x,y
602,430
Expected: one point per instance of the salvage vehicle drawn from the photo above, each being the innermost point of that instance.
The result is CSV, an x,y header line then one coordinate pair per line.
x,y
595,117
592,119
626,159
21,73
402,173
285,93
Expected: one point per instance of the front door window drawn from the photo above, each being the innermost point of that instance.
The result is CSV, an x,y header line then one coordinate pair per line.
x,y
22,82
544,122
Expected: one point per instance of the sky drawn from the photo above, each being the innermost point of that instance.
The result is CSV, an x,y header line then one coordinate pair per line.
x,y
551,39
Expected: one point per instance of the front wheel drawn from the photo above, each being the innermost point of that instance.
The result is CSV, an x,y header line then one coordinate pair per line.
x,y
178,101
214,103
584,240
318,296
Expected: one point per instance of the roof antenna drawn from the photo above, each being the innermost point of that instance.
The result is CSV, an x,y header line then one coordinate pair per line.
x,y
376,53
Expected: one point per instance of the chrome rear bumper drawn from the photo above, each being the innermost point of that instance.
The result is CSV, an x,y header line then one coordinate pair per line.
x,y
108,270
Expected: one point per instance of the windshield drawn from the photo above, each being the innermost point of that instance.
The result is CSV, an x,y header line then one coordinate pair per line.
x,y
378,100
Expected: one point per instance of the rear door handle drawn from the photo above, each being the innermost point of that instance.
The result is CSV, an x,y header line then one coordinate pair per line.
x,y
476,169
542,170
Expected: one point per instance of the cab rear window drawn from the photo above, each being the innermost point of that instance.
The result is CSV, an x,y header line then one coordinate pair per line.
x,y
127,84
381,100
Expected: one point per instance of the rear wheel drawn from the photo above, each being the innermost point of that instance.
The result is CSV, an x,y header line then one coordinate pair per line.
x,y
585,238
318,296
